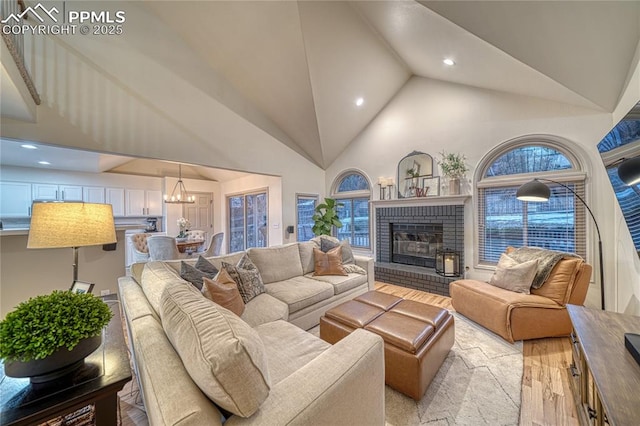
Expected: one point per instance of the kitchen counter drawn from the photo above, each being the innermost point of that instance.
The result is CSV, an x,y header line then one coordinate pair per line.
x,y
25,231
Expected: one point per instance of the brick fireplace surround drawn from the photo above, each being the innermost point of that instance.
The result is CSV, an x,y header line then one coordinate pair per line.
x,y
445,210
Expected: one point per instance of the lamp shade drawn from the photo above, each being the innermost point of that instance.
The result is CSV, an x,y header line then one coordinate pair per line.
x,y
71,225
629,171
535,191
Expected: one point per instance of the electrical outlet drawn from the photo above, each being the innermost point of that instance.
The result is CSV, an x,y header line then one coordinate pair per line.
x,y
105,292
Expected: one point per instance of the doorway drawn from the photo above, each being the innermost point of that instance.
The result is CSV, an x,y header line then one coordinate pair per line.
x,y
200,213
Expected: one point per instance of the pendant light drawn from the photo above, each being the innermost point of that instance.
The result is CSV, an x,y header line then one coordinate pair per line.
x,y
179,195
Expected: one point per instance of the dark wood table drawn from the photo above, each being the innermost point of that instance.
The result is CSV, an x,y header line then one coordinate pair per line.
x,y
191,245
605,377
98,382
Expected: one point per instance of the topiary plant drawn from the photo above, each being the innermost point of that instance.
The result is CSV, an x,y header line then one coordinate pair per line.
x,y
326,217
41,325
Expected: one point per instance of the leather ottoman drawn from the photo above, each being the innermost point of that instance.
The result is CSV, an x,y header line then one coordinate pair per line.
x,y
417,337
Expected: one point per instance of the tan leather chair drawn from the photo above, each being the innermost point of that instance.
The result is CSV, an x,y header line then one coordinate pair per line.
x,y
519,316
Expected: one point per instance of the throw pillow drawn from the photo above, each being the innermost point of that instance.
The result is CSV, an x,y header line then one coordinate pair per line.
x,y
329,263
352,268
224,356
224,291
327,244
247,276
193,275
514,276
205,266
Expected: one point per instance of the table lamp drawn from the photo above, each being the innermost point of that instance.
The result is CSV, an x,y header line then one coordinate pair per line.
x,y
60,224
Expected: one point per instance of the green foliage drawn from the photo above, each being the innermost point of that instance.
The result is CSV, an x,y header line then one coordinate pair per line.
x,y
39,326
453,165
326,217
412,173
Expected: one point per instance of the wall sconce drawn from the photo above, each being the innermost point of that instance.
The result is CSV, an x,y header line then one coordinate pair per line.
x,y
448,263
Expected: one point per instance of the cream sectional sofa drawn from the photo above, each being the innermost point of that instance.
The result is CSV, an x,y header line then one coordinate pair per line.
x,y
262,368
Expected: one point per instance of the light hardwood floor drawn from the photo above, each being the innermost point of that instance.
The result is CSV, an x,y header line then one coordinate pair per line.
x,y
546,395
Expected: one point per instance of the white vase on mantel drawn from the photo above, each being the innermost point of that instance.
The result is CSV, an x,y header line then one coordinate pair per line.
x,y
454,186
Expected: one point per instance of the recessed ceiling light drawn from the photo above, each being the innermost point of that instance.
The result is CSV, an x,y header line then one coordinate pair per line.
x,y
359,102
44,163
27,146
448,61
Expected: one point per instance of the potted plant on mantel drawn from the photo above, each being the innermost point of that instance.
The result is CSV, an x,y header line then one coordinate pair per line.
x,y
453,167
326,217
49,336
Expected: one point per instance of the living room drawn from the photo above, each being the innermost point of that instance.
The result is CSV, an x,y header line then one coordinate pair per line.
x,y
226,92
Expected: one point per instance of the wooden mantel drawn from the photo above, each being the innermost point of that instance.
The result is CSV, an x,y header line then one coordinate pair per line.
x,y
442,200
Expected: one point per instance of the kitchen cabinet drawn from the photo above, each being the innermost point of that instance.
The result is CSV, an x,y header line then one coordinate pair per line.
x,y
115,197
15,199
93,194
141,202
52,192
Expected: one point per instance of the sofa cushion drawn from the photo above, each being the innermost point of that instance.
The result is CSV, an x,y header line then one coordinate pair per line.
x,y
155,277
327,244
205,266
223,291
194,275
341,283
300,292
560,282
277,263
223,355
247,276
216,261
306,256
514,276
288,348
329,263
265,308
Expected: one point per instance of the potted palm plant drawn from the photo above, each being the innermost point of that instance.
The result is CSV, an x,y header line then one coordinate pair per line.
x,y
50,335
326,217
454,168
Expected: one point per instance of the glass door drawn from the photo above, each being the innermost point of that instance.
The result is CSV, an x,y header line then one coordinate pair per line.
x,y
248,221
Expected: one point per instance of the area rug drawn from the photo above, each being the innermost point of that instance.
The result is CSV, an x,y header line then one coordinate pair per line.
x,y
479,383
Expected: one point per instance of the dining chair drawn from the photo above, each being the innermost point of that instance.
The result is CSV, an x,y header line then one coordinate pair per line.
x,y
198,234
163,247
215,246
140,247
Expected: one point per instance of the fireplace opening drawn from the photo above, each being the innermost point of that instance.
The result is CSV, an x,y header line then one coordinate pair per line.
x,y
416,244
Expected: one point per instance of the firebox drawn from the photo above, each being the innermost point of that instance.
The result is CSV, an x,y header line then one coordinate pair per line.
x,y
415,243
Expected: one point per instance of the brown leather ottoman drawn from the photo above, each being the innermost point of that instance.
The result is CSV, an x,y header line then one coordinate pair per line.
x,y
417,337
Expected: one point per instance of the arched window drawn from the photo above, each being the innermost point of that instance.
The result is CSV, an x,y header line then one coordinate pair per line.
x,y
353,191
503,220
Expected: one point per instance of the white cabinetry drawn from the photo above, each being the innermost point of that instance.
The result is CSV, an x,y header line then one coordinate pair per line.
x,y
15,199
93,194
51,192
140,202
115,197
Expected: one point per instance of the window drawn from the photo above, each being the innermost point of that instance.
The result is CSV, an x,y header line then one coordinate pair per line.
x,y
248,221
623,141
503,220
353,191
305,208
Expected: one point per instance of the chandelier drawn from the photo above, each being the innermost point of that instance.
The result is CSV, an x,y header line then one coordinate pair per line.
x,y
179,195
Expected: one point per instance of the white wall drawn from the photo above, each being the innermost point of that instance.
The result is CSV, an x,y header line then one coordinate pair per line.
x,y
431,115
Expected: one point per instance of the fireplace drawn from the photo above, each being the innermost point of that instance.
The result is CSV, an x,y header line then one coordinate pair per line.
x,y
416,243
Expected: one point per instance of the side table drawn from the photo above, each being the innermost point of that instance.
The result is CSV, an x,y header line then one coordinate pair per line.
x,y
98,382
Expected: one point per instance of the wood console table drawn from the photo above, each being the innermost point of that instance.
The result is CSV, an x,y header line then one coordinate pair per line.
x,y
605,377
104,373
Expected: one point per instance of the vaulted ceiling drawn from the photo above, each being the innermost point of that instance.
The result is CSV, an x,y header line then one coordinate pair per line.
x,y
303,64
295,69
